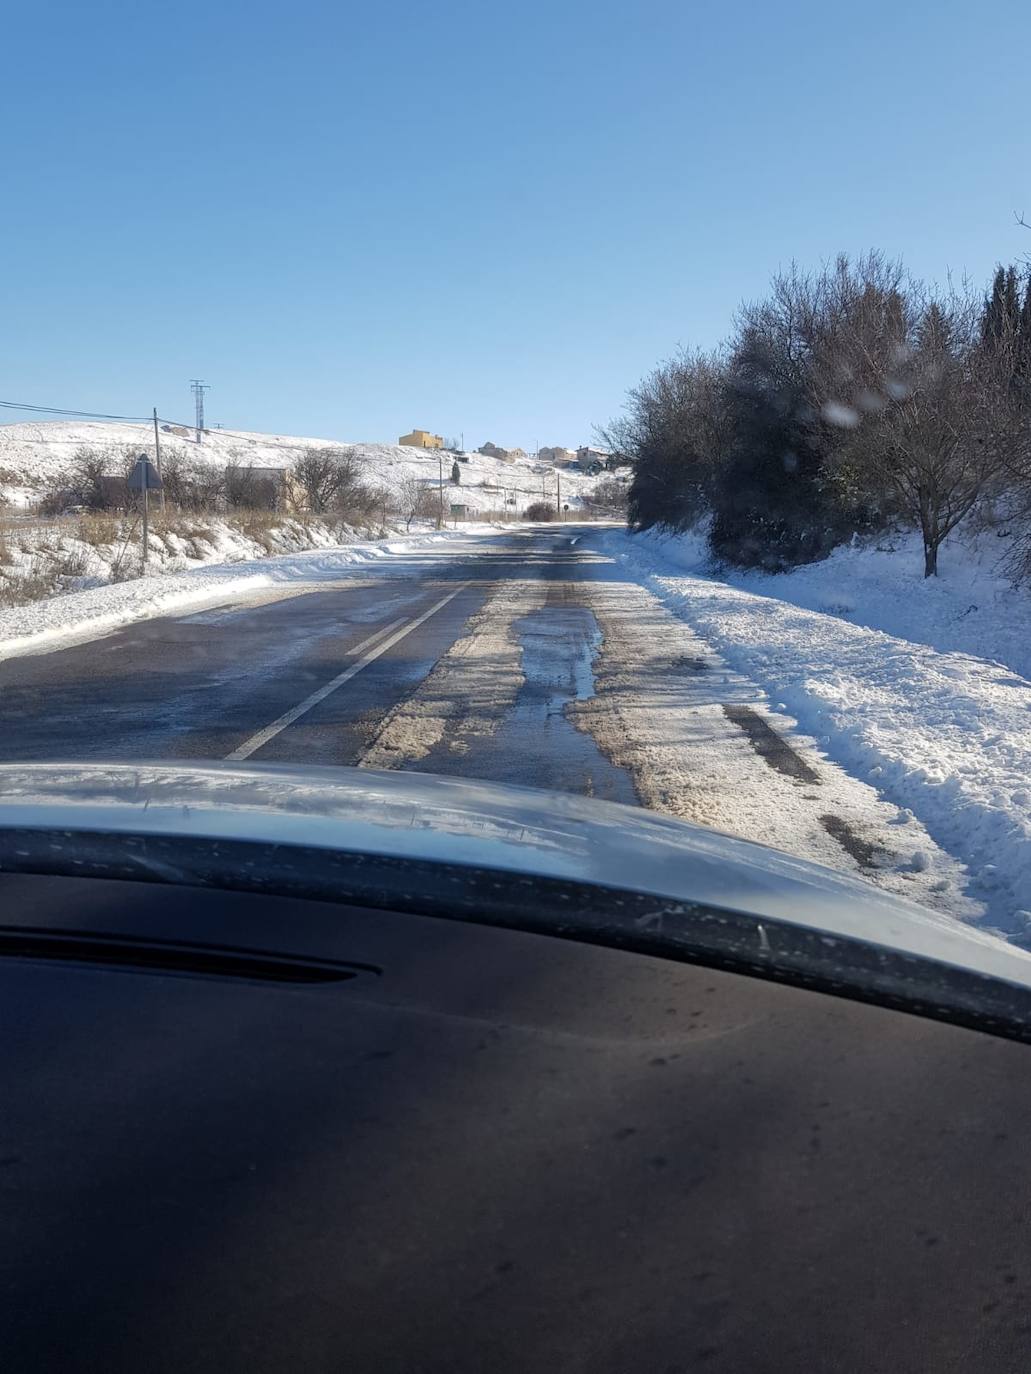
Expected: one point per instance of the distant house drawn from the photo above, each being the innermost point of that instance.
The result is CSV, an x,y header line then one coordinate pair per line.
x,y
490,450
592,460
558,457
421,438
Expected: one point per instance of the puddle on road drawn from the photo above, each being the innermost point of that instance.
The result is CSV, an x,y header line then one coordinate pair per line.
x,y
536,744
558,647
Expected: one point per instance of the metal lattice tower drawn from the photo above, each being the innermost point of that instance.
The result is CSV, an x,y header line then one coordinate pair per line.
x,y
198,388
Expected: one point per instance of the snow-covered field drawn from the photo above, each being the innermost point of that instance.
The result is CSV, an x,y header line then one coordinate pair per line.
x,y
35,453
914,687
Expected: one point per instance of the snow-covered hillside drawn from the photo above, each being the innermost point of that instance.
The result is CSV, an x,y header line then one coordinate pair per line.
x,y
34,453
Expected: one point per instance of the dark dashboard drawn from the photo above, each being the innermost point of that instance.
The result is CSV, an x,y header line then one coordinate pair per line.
x,y
370,1141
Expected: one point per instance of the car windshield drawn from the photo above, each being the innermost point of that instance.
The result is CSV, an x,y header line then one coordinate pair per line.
x,y
632,406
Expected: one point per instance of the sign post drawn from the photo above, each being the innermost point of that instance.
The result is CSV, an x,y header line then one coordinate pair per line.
x,y
157,452
145,478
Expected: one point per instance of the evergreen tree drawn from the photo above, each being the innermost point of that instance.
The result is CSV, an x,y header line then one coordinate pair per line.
x,y
993,320
1001,318
1024,334
1012,301
772,507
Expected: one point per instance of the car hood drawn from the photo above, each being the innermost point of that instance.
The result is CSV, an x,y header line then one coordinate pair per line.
x,y
485,826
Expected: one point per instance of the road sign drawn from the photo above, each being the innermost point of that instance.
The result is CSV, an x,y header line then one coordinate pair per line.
x,y
144,476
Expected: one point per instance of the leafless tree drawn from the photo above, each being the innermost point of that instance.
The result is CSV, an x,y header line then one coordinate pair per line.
x,y
246,489
415,499
323,475
675,433
95,478
188,484
607,496
953,425
89,466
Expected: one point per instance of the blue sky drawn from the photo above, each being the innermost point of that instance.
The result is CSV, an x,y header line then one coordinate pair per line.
x,y
479,218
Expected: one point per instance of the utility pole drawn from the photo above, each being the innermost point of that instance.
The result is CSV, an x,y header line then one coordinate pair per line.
x,y
440,479
558,494
157,453
146,515
144,476
198,388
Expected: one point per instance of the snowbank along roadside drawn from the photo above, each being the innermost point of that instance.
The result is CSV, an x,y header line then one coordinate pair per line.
x,y
944,735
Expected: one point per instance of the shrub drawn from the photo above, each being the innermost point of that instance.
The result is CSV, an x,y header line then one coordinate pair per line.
x,y
541,510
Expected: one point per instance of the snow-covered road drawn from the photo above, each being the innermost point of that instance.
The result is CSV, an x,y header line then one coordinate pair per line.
x,y
540,656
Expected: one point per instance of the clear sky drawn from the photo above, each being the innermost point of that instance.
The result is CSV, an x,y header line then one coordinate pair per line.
x,y
468,216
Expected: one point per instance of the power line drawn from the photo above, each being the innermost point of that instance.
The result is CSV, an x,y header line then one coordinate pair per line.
x,y
75,414
247,436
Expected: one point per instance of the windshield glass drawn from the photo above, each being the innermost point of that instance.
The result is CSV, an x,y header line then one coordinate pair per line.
x,y
555,399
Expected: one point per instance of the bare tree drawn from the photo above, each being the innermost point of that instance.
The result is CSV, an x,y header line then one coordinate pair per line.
x,y
95,479
951,427
89,466
674,431
415,499
607,496
246,489
323,474
187,484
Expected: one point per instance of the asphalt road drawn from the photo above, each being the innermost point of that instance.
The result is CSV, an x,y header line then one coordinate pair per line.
x,y
209,684
529,656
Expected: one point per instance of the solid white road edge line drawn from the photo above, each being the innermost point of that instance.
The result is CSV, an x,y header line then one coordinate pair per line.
x,y
262,737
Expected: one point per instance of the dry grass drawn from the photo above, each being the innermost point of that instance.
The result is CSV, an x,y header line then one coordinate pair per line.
x,y
259,525
53,565
186,524
99,530
42,580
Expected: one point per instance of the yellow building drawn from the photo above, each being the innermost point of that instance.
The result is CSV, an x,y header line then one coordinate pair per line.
x,y
422,438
